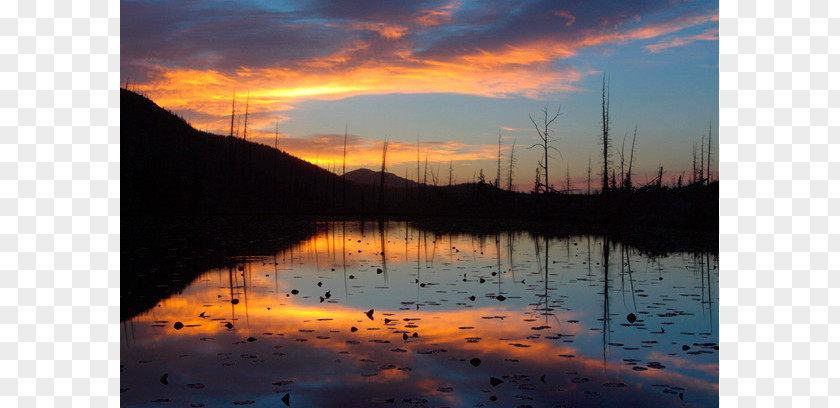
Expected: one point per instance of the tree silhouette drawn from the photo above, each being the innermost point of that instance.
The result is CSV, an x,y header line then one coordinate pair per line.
x,y
546,139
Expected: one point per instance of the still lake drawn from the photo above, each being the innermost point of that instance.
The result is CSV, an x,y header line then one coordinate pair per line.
x,y
385,314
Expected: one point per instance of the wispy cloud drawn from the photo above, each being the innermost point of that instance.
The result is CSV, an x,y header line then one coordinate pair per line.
x,y
513,129
708,35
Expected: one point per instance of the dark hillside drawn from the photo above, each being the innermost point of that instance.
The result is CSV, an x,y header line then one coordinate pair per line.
x,y
168,167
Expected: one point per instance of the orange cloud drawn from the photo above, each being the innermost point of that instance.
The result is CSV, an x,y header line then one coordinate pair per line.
x,y
438,16
389,31
568,16
649,31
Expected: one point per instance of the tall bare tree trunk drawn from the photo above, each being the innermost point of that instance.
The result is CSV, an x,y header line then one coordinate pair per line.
x,y
245,129
568,180
694,163
418,166
702,159
382,178
499,164
628,181
659,179
621,160
605,130
709,156
232,112
425,170
344,171
511,165
545,138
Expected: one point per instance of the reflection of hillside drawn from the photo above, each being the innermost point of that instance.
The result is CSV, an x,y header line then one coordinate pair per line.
x,y
160,256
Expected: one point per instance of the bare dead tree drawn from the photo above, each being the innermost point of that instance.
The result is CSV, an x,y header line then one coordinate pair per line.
x,y
344,154
344,170
621,158
238,122
568,180
276,134
245,129
589,177
418,165
605,130
628,178
659,179
232,111
450,172
499,164
709,156
545,137
694,163
702,159
425,169
382,178
511,165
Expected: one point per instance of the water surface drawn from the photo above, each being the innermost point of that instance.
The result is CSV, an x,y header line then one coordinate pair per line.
x,y
505,320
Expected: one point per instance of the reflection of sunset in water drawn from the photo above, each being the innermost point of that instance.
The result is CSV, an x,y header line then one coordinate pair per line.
x,y
544,342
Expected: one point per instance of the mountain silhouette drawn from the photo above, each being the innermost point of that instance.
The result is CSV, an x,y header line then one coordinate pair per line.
x,y
168,167
372,178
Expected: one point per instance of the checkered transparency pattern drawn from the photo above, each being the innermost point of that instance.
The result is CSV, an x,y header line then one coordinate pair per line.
x,y
780,201
59,203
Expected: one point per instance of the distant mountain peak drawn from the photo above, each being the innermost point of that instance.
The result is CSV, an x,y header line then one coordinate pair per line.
x,y
373,178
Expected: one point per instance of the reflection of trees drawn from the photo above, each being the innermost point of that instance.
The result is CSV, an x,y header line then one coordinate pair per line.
x,y
499,295
510,245
382,247
605,331
344,255
703,264
542,258
626,269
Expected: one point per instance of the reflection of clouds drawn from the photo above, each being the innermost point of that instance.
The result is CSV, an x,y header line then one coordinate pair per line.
x,y
327,371
684,363
437,329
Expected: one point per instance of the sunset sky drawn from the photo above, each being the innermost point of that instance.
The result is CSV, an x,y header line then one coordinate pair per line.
x,y
453,73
